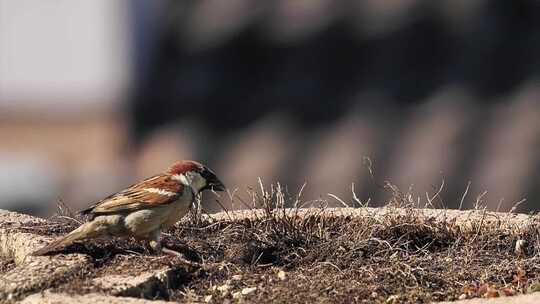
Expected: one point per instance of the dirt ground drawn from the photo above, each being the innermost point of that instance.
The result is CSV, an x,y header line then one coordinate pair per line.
x,y
6,266
283,255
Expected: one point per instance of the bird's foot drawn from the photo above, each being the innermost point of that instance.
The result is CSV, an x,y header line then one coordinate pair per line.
x,y
172,252
159,249
179,256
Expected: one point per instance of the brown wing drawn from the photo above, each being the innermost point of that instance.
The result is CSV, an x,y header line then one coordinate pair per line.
x,y
154,191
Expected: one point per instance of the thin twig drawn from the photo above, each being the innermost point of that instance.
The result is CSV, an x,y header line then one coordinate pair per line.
x,y
464,195
338,199
517,205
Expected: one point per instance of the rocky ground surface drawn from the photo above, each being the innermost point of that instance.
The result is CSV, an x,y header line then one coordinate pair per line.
x,y
365,255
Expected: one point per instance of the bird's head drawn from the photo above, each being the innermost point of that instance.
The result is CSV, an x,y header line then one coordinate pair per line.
x,y
195,175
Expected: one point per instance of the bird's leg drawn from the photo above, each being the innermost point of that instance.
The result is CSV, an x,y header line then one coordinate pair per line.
x,y
155,244
155,241
158,248
172,252
179,256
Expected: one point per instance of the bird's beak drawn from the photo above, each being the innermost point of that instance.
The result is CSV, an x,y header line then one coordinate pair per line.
x,y
216,185
213,183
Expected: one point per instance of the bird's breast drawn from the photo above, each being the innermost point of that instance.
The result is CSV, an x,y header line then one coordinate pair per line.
x,y
178,209
144,221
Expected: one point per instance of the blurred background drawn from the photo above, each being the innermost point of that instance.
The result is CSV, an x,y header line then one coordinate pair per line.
x,y
95,95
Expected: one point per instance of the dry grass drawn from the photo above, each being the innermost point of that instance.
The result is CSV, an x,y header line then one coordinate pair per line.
x,y
294,255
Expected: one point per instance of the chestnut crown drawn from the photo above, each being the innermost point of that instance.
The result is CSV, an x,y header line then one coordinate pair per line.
x,y
195,172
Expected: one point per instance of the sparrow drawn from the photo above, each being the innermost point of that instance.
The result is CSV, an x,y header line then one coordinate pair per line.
x,y
146,208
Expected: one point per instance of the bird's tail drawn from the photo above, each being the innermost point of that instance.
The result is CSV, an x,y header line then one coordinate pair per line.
x,y
77,234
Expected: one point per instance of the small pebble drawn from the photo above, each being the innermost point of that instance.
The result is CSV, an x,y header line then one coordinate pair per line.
x,y
237,277
520,247
237,295
224,288
248,290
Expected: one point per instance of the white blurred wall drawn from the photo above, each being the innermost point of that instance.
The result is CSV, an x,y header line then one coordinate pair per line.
x,y
60,54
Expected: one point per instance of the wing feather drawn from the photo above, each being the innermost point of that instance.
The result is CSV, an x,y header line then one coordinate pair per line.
x,y
152,192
